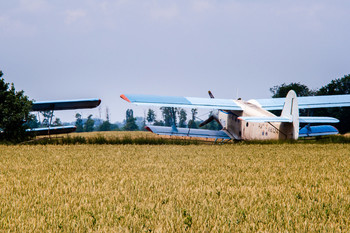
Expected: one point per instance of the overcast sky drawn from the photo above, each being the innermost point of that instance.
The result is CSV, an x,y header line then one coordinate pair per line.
x,y
64,49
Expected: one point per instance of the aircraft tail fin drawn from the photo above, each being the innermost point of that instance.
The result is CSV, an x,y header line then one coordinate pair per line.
x,y
291,111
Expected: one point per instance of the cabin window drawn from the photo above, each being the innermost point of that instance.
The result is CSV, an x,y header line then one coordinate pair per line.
x,y
247,124
262,133
240,133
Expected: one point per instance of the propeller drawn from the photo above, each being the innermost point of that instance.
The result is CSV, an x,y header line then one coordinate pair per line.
x,y
212,117
211,95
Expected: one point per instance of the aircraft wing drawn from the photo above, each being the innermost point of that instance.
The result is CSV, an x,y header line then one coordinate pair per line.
x,y
200,133
173,101
52,130
307,120
325,101
266,119
65,104
320,130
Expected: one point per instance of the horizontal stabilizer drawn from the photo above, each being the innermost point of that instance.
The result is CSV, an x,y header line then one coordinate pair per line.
x,y
52,130
65,104
201,133
318,120
173,101
320,130
266,119
304,102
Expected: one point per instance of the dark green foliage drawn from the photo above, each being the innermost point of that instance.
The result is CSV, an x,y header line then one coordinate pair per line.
x,y
48,115
169,115
192,123
158,123
14,111
213,125
107,126
112,141
79,123
130,121
57,122
187,220
32,122
175,141
282,90
182,117
313,140
336,87
151,116
89,124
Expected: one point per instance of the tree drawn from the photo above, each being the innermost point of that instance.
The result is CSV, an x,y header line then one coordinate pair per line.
x,y
169,115
14,111
79,123
89,124
130,121
32,122
151,116
182,117
106,125
57,122
337,87
158,123
192,123
282,90
48,115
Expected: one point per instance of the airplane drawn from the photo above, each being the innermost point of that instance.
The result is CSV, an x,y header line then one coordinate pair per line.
x,y
252,119
60,105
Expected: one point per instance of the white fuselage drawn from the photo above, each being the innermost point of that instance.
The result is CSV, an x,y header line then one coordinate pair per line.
x,y
241,130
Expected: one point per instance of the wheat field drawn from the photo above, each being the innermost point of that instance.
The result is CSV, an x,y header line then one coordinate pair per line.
x,y
172,188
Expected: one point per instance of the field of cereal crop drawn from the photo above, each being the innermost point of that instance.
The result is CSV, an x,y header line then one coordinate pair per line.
x,y
172,188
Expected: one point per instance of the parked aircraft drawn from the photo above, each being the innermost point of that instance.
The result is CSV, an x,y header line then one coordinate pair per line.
x,y
250,120
61,105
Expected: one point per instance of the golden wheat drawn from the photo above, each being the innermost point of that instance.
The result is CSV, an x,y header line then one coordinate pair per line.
x,y
197,188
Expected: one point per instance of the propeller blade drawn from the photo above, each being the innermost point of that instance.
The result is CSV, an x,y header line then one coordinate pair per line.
x,y
211,95
210,119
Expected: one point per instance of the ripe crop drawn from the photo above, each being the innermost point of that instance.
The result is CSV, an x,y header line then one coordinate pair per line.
x,y
167,188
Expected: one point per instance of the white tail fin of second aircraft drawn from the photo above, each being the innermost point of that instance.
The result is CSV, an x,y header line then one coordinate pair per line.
x,y
291,111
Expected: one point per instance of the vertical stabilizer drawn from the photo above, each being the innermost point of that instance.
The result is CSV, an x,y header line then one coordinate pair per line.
x,y
291,111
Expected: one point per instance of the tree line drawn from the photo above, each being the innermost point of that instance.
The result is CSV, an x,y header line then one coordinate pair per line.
x,y
337,86
178,117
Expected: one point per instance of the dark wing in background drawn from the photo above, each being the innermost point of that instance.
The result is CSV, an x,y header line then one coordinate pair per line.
x,y
65,104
